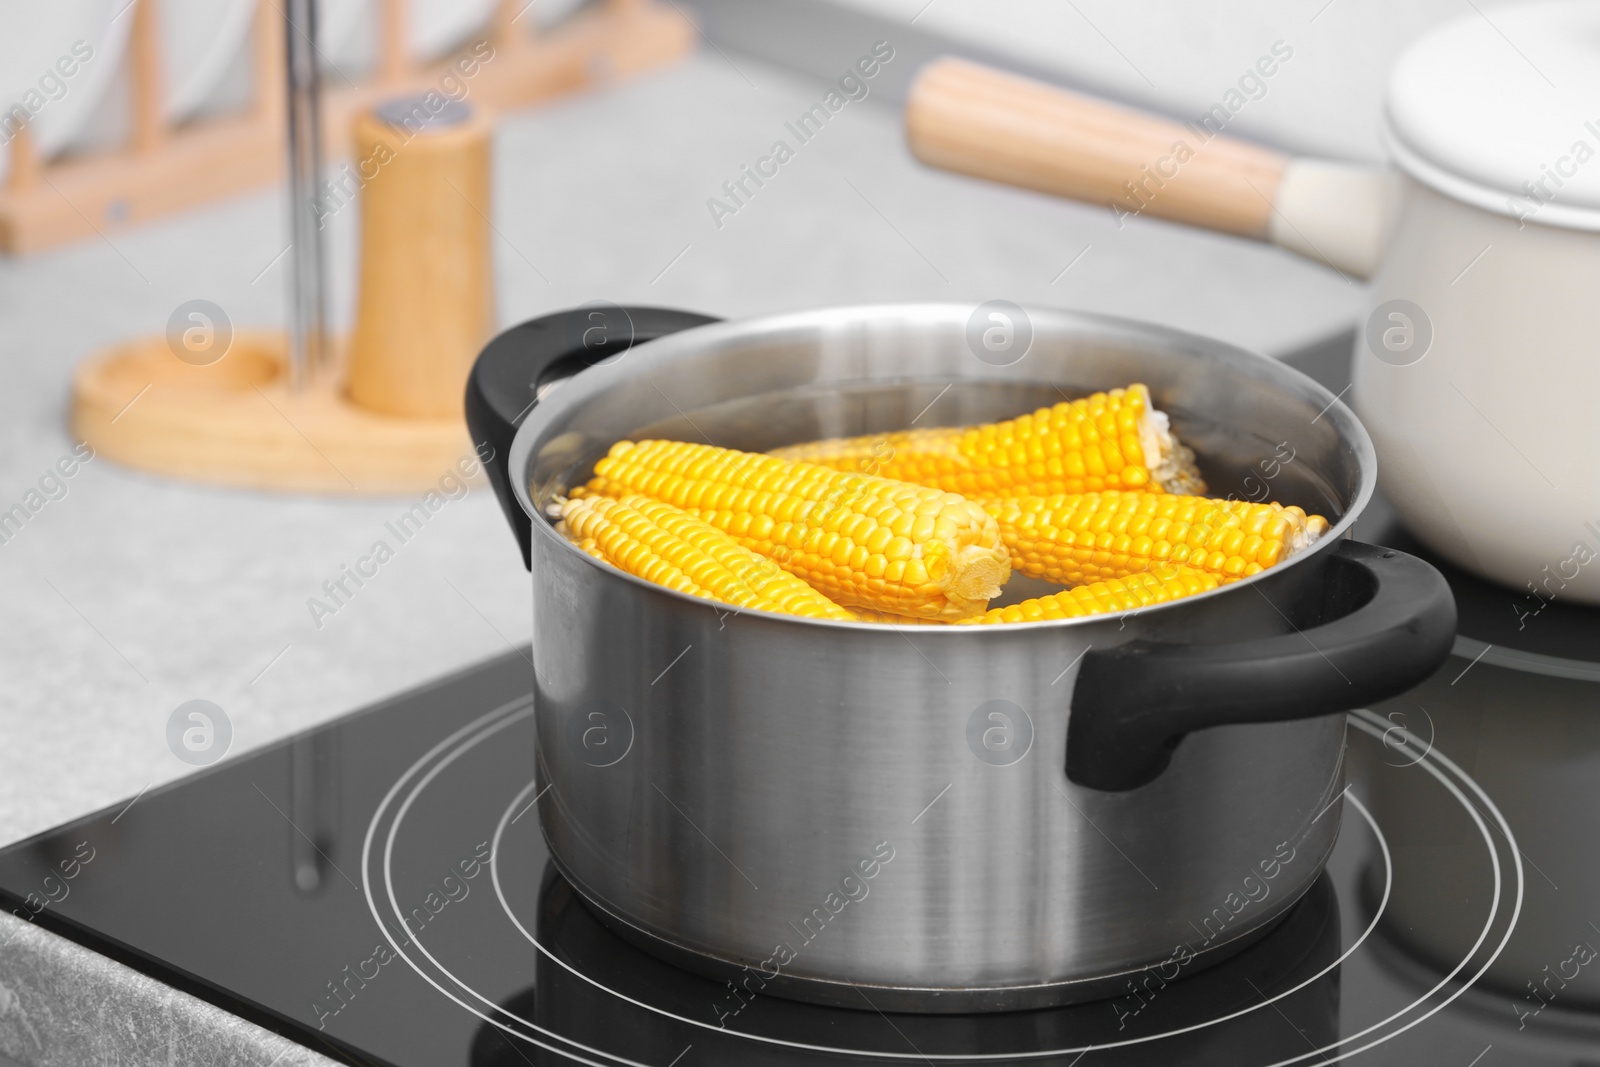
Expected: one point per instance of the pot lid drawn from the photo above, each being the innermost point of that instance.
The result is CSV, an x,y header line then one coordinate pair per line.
x,y
1501,108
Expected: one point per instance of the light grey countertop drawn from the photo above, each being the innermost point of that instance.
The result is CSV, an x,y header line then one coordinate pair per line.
x,y
134,593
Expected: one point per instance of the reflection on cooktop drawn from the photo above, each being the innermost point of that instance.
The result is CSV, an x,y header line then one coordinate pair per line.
x,y
596,989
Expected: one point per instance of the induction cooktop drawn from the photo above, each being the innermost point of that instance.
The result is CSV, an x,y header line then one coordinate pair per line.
x,y
378,890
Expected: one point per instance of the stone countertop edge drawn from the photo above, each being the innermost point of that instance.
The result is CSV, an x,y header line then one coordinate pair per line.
x,y
63,1005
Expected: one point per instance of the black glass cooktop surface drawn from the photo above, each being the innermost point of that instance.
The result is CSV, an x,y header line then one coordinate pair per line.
x,y
379,890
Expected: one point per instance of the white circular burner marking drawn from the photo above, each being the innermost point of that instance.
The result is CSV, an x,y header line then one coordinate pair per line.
x,y
1363,720
366,884
494,874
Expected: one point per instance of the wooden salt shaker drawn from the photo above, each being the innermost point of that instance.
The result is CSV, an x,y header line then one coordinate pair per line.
x,y
425,304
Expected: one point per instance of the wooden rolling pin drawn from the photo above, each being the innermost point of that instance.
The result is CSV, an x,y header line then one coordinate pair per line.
x,y
988,123
426,300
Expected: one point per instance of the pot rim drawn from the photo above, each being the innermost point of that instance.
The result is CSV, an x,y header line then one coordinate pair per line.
x,y
1486,198
664,348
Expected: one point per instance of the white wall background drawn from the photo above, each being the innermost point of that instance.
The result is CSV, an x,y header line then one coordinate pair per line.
x,y
1180,56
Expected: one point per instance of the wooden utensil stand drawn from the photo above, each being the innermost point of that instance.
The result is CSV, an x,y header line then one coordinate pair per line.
x,y
393,425
236,422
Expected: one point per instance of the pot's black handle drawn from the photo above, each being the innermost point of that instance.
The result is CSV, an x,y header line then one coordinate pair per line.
x,y
506,379
1387,622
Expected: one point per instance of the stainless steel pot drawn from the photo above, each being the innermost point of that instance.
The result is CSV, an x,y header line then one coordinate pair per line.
x,y
944,819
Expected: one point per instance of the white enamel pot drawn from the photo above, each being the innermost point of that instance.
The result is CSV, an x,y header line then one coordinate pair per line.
x,y
1477,371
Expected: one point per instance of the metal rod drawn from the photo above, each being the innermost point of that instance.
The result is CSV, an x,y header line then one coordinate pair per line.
x,y
308,348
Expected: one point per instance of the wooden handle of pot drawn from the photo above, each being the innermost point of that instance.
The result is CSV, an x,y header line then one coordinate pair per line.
x,y
426,300
976,120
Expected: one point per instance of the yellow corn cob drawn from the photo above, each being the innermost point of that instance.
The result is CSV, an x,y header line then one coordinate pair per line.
x,y
860,540
670,547
1113,440
1103,598
1074,539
